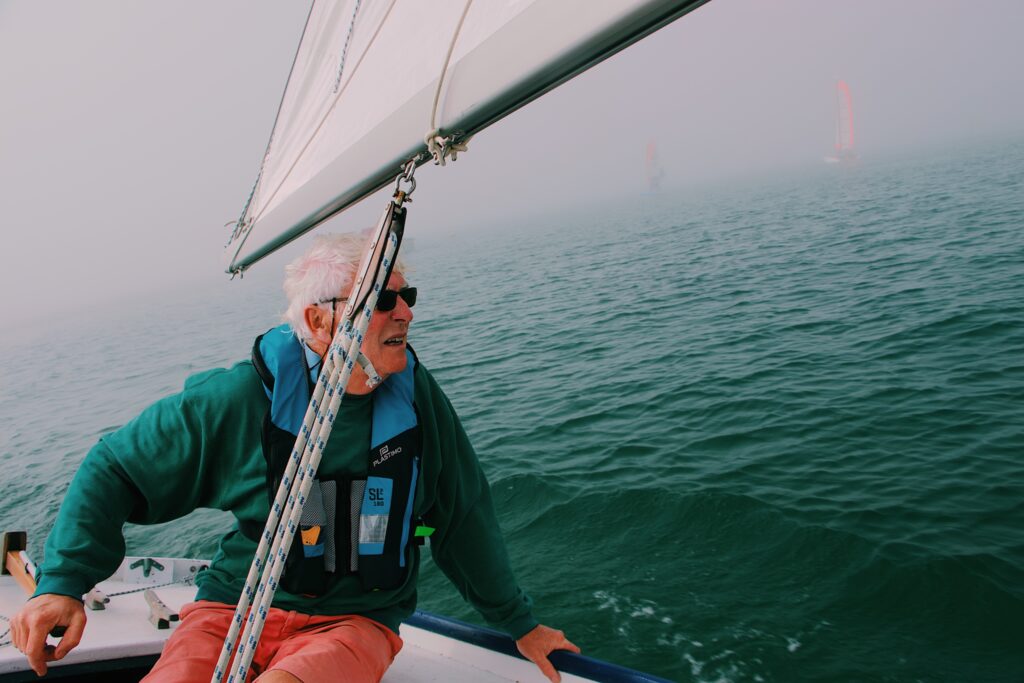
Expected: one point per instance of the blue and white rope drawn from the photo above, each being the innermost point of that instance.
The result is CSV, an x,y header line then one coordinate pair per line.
x,y
268,563
344,49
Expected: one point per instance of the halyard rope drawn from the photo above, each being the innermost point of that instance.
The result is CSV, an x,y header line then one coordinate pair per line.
x,y
442,146
305,459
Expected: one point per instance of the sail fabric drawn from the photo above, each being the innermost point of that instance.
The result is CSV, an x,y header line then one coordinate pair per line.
x,y
369,82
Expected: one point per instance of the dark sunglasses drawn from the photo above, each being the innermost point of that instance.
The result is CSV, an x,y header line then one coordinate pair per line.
x,y
387,300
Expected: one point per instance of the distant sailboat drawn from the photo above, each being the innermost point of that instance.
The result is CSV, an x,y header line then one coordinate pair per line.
x,y
654,171
845,153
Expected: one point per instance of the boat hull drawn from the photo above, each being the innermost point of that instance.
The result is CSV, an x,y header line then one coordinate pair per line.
x,y
121,641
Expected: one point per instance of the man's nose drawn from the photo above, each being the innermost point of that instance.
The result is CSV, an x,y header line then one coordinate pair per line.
x,y
401,311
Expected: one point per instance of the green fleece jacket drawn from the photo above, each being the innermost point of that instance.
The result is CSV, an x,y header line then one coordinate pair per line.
x,y
202,449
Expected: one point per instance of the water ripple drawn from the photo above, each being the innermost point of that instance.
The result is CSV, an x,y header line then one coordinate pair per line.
x,y
767,434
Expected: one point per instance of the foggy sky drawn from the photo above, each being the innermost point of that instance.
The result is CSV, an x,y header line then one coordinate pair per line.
x,y
131,132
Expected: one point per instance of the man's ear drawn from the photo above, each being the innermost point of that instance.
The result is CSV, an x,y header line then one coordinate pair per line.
x,y
317,322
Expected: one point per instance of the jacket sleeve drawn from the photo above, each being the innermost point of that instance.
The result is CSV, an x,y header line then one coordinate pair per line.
x,y
156,468
468,545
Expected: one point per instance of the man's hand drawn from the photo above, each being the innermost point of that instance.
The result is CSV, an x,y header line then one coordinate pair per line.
x,y
37,618
539,643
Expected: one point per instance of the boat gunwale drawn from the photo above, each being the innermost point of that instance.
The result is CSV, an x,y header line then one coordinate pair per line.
x,y
496,641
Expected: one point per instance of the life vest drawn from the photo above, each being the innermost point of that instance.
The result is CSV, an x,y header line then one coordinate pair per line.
x,y
360,525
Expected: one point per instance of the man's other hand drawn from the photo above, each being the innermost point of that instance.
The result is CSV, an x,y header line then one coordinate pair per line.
x,y
37,618
539,643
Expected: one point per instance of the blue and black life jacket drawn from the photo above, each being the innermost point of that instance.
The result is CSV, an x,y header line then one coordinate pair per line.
x,y
354,525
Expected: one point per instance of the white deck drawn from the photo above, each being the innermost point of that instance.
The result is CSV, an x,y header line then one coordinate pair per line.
x,y
123,630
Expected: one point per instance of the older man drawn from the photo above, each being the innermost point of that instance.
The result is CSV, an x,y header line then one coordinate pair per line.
x,y
221,443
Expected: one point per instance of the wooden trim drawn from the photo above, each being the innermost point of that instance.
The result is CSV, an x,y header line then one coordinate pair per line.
x,y
14,543
15,566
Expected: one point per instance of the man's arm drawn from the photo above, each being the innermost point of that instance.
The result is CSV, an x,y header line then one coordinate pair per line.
x,y
474,558
156,468
468,545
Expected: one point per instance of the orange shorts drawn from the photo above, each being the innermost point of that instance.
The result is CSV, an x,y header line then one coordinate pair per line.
x,y
345,648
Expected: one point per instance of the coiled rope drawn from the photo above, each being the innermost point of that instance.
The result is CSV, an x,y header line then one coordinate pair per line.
x,y
262,581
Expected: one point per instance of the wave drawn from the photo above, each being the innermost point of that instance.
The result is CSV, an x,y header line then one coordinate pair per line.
x,y
726,585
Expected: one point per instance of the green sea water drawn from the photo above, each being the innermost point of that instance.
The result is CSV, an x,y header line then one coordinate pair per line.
x,y
770,432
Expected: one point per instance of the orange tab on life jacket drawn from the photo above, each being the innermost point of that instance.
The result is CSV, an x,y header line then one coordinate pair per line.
x,y
310,535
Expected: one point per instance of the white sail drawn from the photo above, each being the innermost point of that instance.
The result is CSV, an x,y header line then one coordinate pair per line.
x,y
373,77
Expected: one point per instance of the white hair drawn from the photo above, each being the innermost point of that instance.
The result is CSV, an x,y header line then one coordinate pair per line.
x,y
325,271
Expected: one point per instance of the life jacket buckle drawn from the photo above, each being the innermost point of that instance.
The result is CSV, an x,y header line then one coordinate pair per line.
x,y
422,533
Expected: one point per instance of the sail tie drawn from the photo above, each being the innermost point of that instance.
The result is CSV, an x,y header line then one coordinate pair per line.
x,y
444,147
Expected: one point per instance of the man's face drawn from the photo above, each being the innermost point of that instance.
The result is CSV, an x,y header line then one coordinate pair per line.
x,y
385,340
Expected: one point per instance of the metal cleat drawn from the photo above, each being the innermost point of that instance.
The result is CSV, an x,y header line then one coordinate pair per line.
x,y
95,599
160,614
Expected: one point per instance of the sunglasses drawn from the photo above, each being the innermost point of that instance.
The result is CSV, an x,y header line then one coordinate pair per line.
x,y
387,300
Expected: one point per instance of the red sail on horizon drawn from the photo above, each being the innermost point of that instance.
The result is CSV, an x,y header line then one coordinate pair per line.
x,y
844,123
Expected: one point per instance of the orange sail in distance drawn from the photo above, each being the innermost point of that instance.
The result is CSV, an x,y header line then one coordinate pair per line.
x,y
845,152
